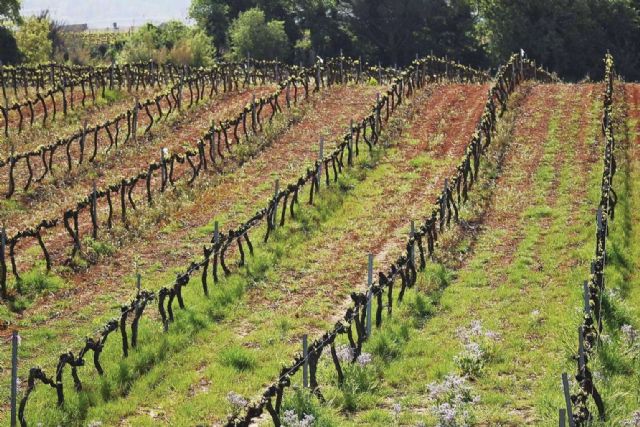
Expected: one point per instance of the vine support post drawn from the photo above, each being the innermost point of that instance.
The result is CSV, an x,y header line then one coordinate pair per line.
x,y
562,417
567,398
412,249
254,119
134,120
216,233
138,283
276,193
94,212
305,358
14,377
320,158
3,264
369,292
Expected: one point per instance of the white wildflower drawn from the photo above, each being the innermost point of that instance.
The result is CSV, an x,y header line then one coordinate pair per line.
x,y
364,359
236,400
629,334
634,421
396,409
291,419
344,353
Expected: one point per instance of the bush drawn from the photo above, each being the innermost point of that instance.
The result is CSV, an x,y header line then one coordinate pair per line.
x,y
251,35
33,40
169,42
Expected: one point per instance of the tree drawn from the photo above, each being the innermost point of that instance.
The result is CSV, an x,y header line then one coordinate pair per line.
x,y
251,35
396,30
9,13
213,17
9,53
568,36
10,10
33,40
321,31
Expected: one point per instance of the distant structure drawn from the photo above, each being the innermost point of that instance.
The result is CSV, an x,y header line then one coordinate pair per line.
x,y
74,28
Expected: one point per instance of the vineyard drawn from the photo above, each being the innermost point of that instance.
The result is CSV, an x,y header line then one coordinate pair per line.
x,y
257,243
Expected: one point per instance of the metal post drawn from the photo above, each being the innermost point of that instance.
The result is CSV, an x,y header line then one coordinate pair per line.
x,y
14,377
369,293
138,282
134,119
216,233
254,121
351,136
412,251
94,209
276,192
3,263
305,366
163,167
567,398
562,418
320,158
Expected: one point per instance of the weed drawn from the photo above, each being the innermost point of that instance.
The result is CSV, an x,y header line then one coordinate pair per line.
x,y
238,358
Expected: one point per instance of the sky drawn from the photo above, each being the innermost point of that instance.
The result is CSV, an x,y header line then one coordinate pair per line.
x,y
103,13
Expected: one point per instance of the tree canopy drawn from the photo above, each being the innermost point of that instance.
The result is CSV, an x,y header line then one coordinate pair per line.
x,y
252,35
9,10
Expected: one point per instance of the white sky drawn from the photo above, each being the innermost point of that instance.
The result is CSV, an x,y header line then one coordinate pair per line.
x,y
103,13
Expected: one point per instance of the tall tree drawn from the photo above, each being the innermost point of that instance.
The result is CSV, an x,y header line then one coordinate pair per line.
x,y
319,22
9,13
213,17
568,36
9,10
252,35
396,30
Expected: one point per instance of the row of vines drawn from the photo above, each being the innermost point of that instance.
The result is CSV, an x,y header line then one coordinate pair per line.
x,y
215,144
358,318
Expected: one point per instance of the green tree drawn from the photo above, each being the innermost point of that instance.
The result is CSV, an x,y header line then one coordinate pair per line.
x,y
213,17
568,36
10,11
321,30
9,53
394,31
251,35
33,40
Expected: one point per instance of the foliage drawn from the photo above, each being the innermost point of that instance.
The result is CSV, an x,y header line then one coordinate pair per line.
x,y
9,53
9,10
212,16
567,36
398,30
169,42
33,40
252,35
